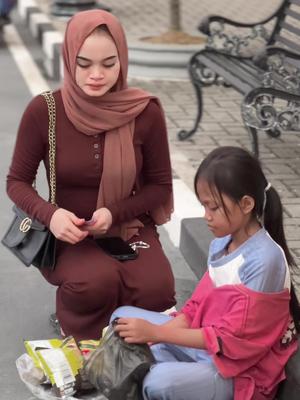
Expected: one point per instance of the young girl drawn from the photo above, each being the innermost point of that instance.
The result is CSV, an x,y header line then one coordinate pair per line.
x,y
233,337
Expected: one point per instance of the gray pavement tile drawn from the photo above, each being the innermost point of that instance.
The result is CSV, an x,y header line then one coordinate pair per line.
x,y
152,17
293,210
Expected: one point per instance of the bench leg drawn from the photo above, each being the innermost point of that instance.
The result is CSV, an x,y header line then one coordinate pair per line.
x,y
254,140
247,109
275,133
184,134
200,76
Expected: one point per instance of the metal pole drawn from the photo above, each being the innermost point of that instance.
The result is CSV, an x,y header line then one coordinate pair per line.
x,y
67,8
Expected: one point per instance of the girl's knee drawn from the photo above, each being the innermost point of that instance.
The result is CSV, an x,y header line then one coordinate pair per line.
x,y
185,380
123,311
224,388
156,386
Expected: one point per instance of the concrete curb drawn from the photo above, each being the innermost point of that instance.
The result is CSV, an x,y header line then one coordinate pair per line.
x,y
47,35
160,61
195,238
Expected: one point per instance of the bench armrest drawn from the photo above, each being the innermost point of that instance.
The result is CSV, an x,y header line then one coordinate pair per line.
x,y
205,23
268,108
269,51
274,58
236,43
282,69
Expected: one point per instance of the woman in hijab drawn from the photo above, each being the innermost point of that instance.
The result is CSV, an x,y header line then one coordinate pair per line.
x,y
113,178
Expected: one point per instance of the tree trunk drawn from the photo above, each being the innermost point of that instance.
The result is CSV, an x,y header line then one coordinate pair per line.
x,y
175,17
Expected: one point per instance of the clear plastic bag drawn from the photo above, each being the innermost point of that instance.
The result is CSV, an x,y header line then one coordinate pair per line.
x,y
32,377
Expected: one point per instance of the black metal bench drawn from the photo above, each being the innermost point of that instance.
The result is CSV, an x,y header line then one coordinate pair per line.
x,y
262,65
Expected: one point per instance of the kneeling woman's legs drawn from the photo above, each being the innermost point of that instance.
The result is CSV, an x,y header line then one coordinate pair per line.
x,y
92,284
148,281
88,291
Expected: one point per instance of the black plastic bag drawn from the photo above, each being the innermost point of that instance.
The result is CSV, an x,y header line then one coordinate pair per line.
x,y
117,368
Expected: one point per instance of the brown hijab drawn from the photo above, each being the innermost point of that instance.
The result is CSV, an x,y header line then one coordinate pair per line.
x,y
113,113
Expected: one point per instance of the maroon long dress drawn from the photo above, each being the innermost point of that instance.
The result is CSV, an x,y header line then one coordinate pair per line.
x,y
91,284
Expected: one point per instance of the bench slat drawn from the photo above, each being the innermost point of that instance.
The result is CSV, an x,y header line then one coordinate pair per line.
x,y
292,13
287,42
290,28
234,71
244,64
251,68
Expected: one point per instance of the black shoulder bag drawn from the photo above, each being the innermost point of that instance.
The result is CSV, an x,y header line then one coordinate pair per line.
x,y
27,238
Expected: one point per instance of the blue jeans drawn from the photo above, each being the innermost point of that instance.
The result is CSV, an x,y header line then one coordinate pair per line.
x,y
180,373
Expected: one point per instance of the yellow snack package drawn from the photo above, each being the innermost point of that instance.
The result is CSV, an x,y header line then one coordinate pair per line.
x,y
62,366
32,346
87,347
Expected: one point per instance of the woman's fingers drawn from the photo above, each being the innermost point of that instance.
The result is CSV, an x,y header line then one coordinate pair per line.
x,y
74,237
77,221
101,222
64,226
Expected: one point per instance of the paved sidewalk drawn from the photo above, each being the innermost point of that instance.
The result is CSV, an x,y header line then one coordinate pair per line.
x,y
151,17
221,123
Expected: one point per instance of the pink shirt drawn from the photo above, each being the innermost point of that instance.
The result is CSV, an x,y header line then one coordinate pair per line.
x,y
243,334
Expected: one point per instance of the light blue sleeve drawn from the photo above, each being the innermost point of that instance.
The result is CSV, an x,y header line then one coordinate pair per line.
x,y
216,246
264,268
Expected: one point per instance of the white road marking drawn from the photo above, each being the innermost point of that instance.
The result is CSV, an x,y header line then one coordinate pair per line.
x,y
186,205
28,68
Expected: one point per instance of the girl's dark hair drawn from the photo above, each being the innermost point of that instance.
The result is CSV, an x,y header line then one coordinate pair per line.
x,y
235,172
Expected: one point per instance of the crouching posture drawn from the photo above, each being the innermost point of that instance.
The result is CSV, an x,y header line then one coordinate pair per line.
x,y
235,334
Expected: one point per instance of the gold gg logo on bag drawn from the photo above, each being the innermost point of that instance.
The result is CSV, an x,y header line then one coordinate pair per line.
x,y
25,225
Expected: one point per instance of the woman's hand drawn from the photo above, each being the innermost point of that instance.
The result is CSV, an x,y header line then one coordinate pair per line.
x,y
66,226
100,222
136,330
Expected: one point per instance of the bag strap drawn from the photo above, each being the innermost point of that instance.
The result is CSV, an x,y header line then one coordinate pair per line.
x,y
52,143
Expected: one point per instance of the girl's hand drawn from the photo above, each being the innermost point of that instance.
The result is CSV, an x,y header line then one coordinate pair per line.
x,y
65,226
99,223
136,330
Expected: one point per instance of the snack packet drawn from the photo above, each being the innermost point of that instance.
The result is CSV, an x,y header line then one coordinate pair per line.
x,y
62,366
87,347
32,346
60,361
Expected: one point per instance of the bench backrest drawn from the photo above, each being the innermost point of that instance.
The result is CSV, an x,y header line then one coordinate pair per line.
x,y
286,32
